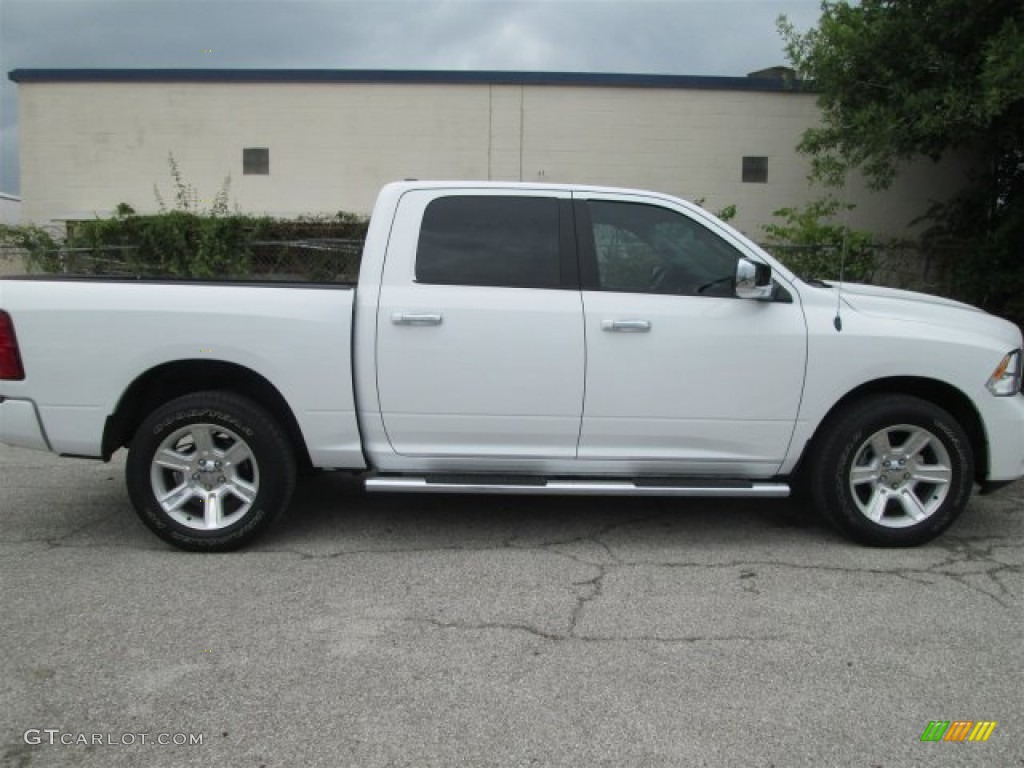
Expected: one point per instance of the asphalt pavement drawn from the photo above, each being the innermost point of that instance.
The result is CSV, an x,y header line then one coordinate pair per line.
x,y
391,630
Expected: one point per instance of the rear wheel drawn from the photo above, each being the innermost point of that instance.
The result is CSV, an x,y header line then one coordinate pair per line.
x,y
892,470
210,471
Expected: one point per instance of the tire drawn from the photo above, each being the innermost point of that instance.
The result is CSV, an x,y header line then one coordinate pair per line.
x,y
210,471
892,471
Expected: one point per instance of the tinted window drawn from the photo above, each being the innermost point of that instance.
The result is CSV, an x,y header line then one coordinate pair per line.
x,y
490,240
647,249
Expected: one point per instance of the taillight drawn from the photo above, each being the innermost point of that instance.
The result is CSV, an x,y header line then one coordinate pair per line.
x,y
10,360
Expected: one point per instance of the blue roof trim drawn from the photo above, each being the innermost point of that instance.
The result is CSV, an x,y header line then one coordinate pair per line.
x,y
407,76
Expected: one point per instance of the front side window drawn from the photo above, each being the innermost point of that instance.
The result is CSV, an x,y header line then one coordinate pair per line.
x,y
647,249
510,242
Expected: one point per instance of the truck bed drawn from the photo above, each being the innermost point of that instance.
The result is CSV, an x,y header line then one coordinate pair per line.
x,y
108,334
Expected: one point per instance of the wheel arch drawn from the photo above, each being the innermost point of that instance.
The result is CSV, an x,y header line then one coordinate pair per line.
x,y
939,393
170,380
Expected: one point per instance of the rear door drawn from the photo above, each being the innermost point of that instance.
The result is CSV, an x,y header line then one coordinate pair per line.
x,y
480,349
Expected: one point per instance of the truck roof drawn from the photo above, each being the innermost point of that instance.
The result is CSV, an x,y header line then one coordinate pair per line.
x,y
398,188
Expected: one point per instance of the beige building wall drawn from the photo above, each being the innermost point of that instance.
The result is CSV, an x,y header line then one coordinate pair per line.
x,y
10,209
85,147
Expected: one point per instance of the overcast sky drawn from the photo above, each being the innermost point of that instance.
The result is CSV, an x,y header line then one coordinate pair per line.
x,y
676,37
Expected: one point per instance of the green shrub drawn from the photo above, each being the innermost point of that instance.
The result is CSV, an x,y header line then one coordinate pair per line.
x,y
814,247
39,248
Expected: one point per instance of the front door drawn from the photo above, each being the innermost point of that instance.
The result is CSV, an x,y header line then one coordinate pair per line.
x,y
682,376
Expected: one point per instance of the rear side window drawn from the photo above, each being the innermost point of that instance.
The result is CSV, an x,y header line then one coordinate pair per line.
x,y
508,242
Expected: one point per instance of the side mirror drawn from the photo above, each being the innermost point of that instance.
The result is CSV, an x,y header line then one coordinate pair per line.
x,y
753,280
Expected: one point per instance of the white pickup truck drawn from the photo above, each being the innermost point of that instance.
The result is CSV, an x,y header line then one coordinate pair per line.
x,y
524,339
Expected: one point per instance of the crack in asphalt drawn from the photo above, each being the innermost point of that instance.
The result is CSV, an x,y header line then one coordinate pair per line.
x,y
968,551
484,626
974,550
59,540
489,625
587,592
304,555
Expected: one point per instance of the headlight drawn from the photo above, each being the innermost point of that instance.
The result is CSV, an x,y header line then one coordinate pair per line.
x,y
1005,379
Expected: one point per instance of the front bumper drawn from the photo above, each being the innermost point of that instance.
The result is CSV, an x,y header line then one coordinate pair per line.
x,y
1004,427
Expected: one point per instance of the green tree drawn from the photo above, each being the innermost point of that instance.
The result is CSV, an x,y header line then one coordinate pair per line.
x,y
902,79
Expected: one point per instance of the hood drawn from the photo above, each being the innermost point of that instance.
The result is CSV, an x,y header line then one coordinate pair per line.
x,y
910,306
893,302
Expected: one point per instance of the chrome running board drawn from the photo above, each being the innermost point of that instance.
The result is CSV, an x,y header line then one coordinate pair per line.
x,y
702,487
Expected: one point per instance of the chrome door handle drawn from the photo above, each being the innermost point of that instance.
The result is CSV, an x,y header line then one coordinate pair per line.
x,y
414,318
626,326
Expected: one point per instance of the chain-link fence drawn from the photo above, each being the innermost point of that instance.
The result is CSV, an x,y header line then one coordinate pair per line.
x,y
321,260
318,260
907,266
12,261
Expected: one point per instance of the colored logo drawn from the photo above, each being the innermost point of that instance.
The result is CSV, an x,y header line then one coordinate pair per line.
x,y
958,730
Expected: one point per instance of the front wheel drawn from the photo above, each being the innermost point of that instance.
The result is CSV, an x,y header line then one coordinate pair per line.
x,y
892,470
210,471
